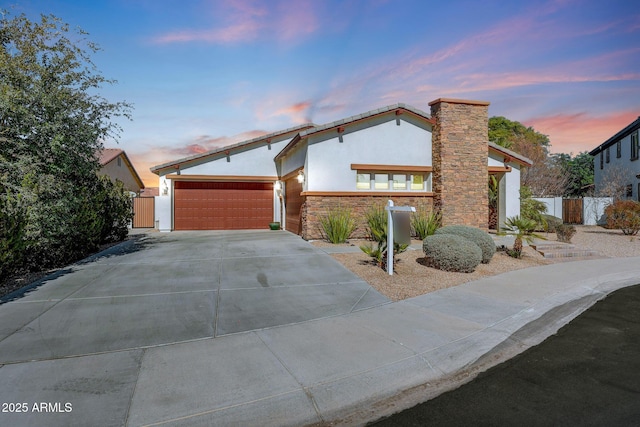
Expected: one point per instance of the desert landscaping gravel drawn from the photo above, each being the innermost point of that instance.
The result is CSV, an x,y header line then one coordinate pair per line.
x,y
413,278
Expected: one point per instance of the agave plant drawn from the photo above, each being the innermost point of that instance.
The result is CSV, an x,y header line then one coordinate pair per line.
x,y
523,229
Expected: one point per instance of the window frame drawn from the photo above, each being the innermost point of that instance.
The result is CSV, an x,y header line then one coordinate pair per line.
x,y
634,145
618,149
391,185
608,155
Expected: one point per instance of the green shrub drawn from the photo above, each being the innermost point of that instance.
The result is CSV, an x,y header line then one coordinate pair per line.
x,y
522,229
551,222
477,236
451,252
338,225
376,217
531,208
565,232
425,223
624,215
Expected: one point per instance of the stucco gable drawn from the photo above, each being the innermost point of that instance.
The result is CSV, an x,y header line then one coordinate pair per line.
x,y
230,149
397,109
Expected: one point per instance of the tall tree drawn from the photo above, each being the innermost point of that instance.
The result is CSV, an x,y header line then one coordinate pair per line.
x,y
52,124
544,177
579,170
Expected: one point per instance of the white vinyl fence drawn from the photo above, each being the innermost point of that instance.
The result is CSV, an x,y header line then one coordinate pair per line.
x,y
592,208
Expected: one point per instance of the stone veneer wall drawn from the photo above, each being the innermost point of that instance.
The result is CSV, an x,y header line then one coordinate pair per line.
x,y
460,147
317,206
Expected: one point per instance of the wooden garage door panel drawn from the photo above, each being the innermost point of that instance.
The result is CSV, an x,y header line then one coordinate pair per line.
x,y
294,203
222,205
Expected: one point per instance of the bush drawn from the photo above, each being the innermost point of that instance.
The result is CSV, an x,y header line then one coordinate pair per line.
x,y
338,225
425,223
451,252
624,215
477,236
531,208
551,223
376,217
565,232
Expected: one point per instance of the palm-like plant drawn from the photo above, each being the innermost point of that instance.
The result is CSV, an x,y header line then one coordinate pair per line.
x,y
523,229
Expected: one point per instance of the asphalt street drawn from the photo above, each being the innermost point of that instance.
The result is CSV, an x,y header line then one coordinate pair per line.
x,y
588,374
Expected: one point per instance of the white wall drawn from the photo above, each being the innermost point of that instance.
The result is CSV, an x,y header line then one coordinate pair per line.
x,y
294,159
371,142
257,162
553,204
593,210
512,184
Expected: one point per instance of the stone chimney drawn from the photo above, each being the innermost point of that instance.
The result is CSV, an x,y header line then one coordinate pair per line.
x,y
460,151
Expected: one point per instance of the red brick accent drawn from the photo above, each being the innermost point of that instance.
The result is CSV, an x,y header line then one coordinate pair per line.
x,y
460,147
317,206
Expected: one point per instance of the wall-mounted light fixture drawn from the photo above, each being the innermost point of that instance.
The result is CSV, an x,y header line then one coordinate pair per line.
x,y
277,186
165,189
301,176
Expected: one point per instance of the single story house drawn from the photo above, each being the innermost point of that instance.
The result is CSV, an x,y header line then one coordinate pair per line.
x,y
116,165
295,176
616,164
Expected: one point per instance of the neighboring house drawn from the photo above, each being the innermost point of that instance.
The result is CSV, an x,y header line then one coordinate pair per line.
x,y
616,163
295,176
117,165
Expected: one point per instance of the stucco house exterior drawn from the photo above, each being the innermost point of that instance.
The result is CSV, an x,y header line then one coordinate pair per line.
x,y
295,176
116,164
617,159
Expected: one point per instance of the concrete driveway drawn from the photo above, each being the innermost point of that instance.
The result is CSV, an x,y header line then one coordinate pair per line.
x,y
184,286
83,331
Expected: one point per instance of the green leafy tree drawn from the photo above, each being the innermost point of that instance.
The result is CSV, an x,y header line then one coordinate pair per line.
x,y
579,170
52,124
545,177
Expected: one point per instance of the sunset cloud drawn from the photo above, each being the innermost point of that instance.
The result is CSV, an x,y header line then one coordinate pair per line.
x,y
246,21
580,131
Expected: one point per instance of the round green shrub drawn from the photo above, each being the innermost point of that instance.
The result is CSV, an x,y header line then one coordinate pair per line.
x,y
451,252
477,236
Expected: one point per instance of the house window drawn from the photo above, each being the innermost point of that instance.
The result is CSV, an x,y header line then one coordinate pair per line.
x,y
393,181
601,160
119,162
619,149
629,191
399,182
634,146
417,182
381,181
363,181
608,155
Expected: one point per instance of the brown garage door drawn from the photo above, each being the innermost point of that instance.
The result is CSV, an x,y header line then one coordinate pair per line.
x,y
294,203
222,205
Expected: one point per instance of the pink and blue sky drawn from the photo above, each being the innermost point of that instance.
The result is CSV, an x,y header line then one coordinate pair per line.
x,y
206,73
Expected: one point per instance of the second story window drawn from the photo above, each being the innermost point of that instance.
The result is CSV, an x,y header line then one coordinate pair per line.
x,y
634,146
619,149
608,155
601,160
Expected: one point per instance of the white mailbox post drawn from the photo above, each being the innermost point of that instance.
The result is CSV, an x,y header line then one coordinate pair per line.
x,y
390,209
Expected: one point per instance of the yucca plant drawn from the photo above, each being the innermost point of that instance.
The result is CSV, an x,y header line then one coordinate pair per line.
x,y
425,223
523,229
376,217
337,225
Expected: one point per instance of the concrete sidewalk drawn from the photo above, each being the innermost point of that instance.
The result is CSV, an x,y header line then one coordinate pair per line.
x,y
343,369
